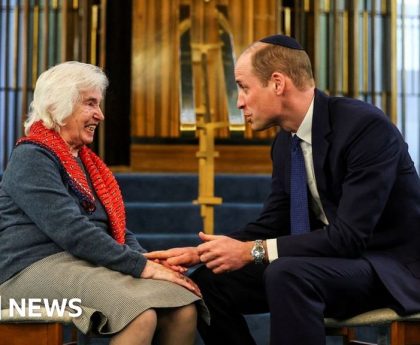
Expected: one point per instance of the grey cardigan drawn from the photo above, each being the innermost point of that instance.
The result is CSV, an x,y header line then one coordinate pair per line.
x,y
41,216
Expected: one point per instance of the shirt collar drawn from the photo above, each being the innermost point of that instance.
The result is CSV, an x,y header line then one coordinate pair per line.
x,y
305,129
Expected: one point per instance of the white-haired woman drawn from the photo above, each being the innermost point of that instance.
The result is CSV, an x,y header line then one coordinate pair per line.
x,y
62,223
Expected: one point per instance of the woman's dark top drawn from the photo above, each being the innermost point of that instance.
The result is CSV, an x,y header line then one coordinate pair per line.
x,y
41,216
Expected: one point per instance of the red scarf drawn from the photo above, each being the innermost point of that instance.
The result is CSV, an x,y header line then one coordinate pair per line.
x,y
103,181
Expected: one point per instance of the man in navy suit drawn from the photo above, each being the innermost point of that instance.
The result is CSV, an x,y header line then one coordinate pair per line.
x,y
361,248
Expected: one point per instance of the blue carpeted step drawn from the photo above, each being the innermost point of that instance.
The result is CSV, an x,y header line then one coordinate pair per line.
x,y
233,216
164,187
242,188
145,217
159,187
162,240
185,217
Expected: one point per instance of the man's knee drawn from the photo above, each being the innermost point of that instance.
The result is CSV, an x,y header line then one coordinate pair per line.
x,y
285,271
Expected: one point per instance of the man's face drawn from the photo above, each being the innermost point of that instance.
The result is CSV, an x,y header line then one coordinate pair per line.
x,y
80,126
255,100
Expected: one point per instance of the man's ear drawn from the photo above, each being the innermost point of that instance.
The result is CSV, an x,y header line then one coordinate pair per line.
x,y
279,81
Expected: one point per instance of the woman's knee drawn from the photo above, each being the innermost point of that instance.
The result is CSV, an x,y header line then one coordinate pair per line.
x,y
146,320
188,313
182,315
139,331
185,314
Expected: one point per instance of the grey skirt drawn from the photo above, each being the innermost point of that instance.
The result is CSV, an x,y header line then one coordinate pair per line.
x,y
109,300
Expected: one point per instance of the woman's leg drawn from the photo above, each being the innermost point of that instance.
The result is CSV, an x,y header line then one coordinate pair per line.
x,y
176,325
140,331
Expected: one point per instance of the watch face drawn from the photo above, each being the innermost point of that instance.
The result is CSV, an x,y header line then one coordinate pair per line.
x,y
259,254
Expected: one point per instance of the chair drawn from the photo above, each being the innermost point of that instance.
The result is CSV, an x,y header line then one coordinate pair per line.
x,y
39,330
403,330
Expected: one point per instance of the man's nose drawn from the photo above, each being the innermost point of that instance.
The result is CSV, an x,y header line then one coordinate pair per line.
x,y
240,103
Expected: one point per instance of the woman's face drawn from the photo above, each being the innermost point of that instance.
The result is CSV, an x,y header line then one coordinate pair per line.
x,y
80,126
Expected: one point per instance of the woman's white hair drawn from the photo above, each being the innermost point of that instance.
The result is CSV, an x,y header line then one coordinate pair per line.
x,y
58,89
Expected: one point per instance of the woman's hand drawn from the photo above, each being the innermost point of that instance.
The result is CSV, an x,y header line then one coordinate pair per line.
x,y
153,270
185,256
176,268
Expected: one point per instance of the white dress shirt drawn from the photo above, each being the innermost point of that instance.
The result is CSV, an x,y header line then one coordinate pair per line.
x,y
305,134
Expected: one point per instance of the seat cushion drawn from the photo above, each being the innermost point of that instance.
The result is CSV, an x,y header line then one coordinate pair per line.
x,y
373,317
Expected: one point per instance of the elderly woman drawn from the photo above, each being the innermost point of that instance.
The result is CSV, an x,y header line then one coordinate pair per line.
x,y
62,224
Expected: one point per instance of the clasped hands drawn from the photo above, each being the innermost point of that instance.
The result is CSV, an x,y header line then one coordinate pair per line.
x,y
219,253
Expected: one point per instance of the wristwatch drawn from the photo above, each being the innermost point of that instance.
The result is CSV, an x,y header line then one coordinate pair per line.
x,y
258,252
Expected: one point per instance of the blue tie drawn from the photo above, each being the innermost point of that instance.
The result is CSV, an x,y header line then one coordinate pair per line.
x,y
299,217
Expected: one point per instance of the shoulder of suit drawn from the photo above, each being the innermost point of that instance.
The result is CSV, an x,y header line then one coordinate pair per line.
x,y
354,110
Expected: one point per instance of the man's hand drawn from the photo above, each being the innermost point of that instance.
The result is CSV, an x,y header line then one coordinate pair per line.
x,y
223,254
185,256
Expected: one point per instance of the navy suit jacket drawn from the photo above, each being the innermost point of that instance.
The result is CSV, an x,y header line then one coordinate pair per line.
x,y
369,189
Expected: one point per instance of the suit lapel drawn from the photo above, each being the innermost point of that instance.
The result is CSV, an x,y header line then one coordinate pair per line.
x,y
321,129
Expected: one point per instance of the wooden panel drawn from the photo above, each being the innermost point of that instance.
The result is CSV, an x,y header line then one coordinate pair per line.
x,y
412,333
31,334
155,58
155,65
347,332
405,333
182,158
